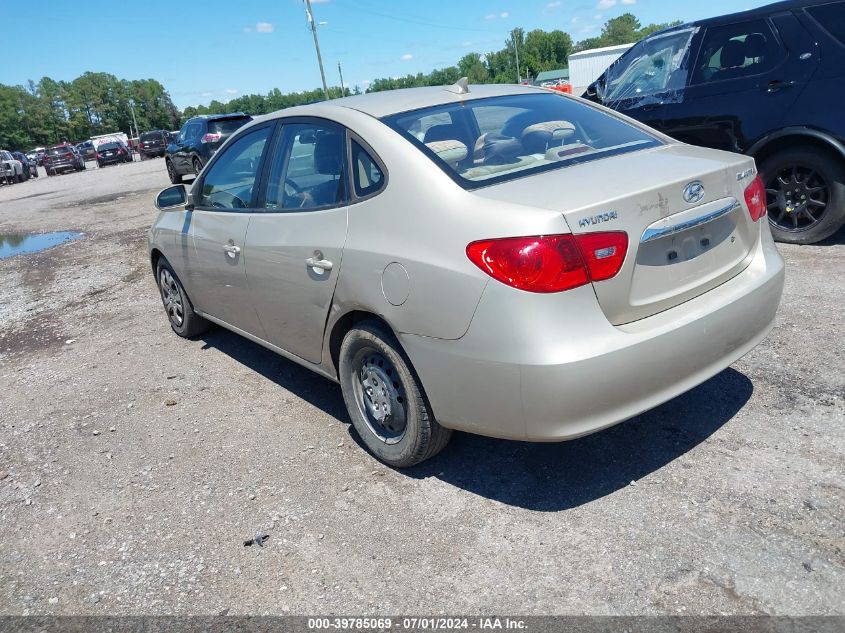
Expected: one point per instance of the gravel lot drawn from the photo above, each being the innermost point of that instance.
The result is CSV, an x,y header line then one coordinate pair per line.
x,y
134,464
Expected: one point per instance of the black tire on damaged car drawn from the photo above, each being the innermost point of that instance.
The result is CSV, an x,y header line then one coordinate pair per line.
x,y
170,286
805,194
376,376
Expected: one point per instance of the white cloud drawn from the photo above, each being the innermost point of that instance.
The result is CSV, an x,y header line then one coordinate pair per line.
x,y
406,57
264,27
231,91
605,4
575,19
494,16
466,44
629,1
597,17
504,14
553,5
490,16
206,94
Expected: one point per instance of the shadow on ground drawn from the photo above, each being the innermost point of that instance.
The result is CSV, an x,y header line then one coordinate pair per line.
x,y
541,477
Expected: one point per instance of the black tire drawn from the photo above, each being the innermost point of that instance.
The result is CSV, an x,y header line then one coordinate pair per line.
x,y
20,177
184,321
175,177
817,180
197,165
375,372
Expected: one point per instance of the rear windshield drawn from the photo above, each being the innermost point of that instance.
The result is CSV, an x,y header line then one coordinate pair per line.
x,y
227,126
108,146
485,141
56,151
151,136
831,17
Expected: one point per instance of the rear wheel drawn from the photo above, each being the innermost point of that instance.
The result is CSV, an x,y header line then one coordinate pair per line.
x,y
175,178
197,166
385,399
184,321
805,194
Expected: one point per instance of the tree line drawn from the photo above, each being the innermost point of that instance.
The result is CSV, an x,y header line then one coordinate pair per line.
x,y
51,111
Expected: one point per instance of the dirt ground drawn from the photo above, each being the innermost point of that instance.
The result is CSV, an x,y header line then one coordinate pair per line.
x,y
134,464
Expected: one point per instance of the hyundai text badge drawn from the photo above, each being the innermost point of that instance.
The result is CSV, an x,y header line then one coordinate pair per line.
x,y
694,192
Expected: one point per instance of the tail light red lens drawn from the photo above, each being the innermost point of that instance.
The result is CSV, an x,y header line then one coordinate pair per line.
x,y
755,198
550,263
211,137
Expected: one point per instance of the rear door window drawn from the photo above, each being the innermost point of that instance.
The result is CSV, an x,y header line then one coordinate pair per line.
x,y
309,170
831,17
737,50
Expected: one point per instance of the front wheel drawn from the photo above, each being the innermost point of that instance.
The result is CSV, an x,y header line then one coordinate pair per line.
x,y
184,321
175,178
385,400
805,194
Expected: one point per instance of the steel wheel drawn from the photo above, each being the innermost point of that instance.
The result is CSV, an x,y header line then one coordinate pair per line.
x,y
172,297
380,395
797,198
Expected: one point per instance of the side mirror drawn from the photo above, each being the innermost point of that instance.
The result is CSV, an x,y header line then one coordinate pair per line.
x,y
171,198
592,92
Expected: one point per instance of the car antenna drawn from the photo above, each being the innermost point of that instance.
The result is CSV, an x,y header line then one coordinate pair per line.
x,y
460,87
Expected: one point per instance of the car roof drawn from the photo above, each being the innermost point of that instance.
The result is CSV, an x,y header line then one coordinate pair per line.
x,y
776,7
382,104
214,117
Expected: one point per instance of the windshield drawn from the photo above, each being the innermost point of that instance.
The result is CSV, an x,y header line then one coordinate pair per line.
x,y
108,146
484,141
151,136
656,64
61,149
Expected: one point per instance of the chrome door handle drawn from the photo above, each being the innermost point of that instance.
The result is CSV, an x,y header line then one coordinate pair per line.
x,y
231,249
322,264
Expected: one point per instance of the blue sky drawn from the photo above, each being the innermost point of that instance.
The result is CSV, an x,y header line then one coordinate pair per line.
x,y
219,49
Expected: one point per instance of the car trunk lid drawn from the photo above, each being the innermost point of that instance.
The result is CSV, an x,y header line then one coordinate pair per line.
x,y
683,210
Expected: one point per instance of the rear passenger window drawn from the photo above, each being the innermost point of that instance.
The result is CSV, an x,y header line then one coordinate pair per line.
x,y
737,50
831,17
309,171
366,174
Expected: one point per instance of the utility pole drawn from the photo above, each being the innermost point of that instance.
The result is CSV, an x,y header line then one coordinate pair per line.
x,y
340,72
313,26
516,51
135,121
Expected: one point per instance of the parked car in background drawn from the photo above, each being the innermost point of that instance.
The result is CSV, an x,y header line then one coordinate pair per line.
x,y
33,166
11,169
769,83
87,150
62,158
39,154
22,159
198,139
153,144
112,153
592,267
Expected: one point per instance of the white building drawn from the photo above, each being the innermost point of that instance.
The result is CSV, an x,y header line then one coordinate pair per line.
x,y
585,67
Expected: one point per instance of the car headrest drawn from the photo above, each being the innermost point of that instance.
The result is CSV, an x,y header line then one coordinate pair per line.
x,y
328,154
443,132
756,45
448,150
537,138
733,54
498,149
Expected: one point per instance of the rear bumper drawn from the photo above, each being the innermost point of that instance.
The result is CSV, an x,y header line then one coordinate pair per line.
x,y
551,367
151,151
61,165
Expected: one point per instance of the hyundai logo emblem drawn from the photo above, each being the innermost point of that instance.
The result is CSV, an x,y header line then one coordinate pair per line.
x,y
694,192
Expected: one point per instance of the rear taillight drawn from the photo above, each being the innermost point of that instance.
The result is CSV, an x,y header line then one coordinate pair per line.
x,y
97,154
69,155
211,137
755,198
550,263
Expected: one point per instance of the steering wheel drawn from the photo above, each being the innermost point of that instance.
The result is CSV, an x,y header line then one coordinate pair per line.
x,y
297,192
295,189
225,200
